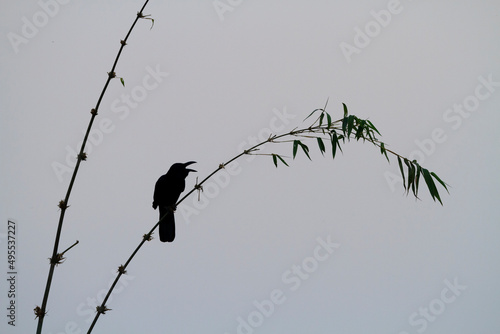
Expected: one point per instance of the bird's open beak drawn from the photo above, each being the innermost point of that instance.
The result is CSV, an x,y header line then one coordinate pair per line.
x,y
190,163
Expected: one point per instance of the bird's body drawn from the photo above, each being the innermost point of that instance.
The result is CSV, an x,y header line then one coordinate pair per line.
x,y
168,189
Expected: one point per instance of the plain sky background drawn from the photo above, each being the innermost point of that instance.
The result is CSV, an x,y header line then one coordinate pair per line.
x,y
229,75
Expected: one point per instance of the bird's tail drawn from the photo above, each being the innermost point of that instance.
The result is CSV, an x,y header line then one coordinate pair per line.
x,y
167,225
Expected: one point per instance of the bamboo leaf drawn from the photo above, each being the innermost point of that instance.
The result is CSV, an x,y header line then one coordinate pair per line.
x,y
411,176
344,124
275,159
402,172
335,143
305,149
359,131
321,145
343,140
338,142
419,171
329,120
311,114
321,118
350,125
373,127
384,151
334,140
283,161
440,181
122,81
295,146
369,133
345,110
431,185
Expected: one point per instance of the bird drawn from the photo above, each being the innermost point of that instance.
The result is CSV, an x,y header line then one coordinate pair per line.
x,y
168,188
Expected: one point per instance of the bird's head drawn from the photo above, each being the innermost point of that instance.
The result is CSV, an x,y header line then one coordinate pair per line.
x,y
181,169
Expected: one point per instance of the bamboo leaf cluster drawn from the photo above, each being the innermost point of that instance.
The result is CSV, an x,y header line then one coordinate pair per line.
x,y
323,129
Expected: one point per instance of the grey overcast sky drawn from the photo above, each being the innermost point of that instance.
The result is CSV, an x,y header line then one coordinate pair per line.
x,y
328,246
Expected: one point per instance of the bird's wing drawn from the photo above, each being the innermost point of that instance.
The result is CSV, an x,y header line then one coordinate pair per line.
x,y
159,190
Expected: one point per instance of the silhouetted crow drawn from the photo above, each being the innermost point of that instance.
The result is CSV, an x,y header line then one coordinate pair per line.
x,y
168,188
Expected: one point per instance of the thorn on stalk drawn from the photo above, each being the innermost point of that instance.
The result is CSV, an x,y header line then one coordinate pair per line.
x,y
82,156
39,313
102,309
62,205
199,188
